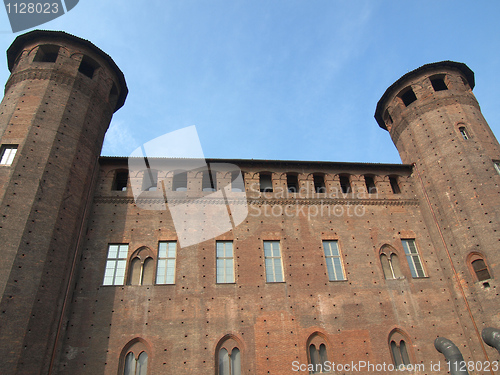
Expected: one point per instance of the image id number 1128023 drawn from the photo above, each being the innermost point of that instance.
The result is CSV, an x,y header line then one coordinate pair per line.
x,y
472,366
30,8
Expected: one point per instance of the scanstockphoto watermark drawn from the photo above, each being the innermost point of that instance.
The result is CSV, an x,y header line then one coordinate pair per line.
x,y
320,209
25,14
359,366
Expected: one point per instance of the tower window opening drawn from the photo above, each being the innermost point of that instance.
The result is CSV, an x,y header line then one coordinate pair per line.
x,y
496,164
150,180
237,181
463,132
121,181
180,181
345,184
319,183
370,185
47,53
292,183
394,185
387,118
438,84
266,183
481,270
88,67
408,97
113,96
7,154
208,183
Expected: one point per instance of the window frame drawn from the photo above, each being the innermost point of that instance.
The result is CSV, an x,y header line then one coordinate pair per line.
x,y
120,259
224,259
496,165
332,257
168,260
11,150
410,257
272,260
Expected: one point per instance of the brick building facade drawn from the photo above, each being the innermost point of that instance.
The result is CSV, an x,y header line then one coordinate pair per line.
x,y
349,263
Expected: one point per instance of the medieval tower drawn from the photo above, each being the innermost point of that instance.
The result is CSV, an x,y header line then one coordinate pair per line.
x,y
58,104
345,263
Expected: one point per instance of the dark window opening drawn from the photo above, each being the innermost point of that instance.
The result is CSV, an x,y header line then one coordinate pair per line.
x,y
370,185
408,97
88,67
400,353
292,183
438,84
207,183
496,164
394,185
237,181
387,118
113,96
121,181
481,270
319,183
463,132
266,183
150,180
47,53
179,182
345,184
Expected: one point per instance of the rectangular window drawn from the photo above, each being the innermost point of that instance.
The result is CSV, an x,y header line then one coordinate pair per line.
x,y
225,262
7,153
116,264
333,261
274,267
165,274
413,258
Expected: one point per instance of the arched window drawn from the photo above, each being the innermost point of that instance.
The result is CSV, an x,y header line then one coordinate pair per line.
x,y
134,358
179,182
150,180
228,359
317,353
292,183
319,183
393,180
370,185
390,263
345,184
399,347
266,182
121,180
141,269
478,267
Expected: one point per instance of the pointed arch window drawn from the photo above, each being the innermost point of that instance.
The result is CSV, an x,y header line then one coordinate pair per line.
x,y
229,357
317,354
390,263
134,358
400,349
141,269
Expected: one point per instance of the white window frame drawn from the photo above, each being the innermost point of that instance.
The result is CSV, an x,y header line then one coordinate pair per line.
x,y
116,264
272,262
167,254
224,262
333,260
413,258
8,153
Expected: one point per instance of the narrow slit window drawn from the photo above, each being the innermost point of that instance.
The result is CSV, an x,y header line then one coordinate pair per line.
x,y
463,132
319,183
266,183
121,181
438,84
7,154
394,185
408,97
345,184
292,183
370,185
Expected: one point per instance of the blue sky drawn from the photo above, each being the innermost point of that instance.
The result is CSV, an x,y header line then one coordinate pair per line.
x,y
277,79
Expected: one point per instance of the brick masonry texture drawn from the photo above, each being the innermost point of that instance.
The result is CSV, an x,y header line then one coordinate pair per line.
x,y
61,211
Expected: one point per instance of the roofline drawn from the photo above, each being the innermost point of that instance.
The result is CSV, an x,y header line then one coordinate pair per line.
x,y
468,73
18,44
115,159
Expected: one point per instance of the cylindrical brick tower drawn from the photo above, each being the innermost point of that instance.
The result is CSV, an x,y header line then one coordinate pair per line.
x,y
436,124
58,104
